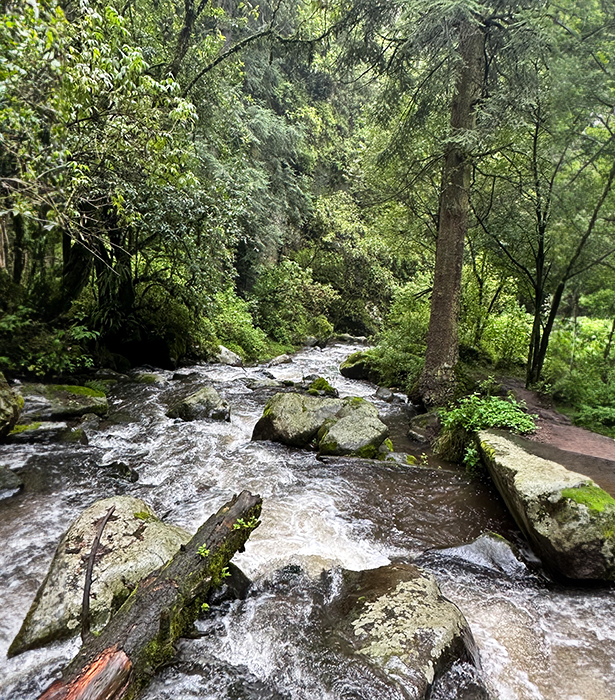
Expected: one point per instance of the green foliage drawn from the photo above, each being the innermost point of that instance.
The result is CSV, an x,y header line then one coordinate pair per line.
x,y
203,551
289,305
474,413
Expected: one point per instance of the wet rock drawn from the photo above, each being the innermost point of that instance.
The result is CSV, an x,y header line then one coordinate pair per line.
x,y
293,419
567,518
255,384
424,427
461,682
385,394
56,402
39,432
11,404
133,544
141,377
236,586
310,341
120,470
347,426
204,403
356,366
10,483
228,357
319,386
184,376
280,360
489,551
397,617
357,431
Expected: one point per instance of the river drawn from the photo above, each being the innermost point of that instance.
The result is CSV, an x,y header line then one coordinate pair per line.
x,y
538,640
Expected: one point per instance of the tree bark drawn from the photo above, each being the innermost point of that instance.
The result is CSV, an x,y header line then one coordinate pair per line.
x,y
437,383
140,636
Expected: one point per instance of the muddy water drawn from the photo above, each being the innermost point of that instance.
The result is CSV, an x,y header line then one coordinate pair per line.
x,y
537,640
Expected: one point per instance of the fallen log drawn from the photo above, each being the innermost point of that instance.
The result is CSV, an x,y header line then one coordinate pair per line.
x,y
140,636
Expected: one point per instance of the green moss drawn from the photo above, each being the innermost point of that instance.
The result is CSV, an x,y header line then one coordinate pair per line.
x,y
313,392
368,451
388,444
144,515
321,385
356,401
74,389
23,428
591,496
411,459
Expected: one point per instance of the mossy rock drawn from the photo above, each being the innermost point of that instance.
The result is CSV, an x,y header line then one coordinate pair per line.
x,y
357,366
321,387
133,544
568,519
10,483
204,403
50,402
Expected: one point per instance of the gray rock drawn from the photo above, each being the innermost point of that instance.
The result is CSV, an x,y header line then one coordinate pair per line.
x,y
385,394
280,360
398,618
57,402
310,341
145,377
10,483
567,518
356,366
133,544
255,383
43,432
293,419
347,426
204,403
11,404
357,431
228,357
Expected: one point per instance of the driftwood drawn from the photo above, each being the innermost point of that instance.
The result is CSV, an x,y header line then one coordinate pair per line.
x,y
165,604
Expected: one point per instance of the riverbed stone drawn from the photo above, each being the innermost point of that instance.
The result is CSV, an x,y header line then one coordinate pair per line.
x,y
11,405
228,357
567,518
280,360
357,431
10,483
57,402
204,403
356,366
294,419
397,617
133,544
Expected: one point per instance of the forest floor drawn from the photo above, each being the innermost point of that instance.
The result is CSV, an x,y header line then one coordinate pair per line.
x,y
556,438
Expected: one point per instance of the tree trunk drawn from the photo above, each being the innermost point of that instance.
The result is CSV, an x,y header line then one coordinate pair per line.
x,y
165,604
437,383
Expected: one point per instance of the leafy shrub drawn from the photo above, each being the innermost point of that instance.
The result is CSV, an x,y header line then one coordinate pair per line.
x,y
474,413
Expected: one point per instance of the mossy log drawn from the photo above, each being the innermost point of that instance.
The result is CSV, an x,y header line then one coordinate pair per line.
x,y
140,636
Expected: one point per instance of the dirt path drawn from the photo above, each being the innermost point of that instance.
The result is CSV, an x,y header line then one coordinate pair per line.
x,y
557,439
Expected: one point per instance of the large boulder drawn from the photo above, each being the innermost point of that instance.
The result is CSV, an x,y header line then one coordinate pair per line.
x,y
204,403
294,419
228,357
347,426
10,407
567,518
357,366
55,402
133,544
357,430
398,618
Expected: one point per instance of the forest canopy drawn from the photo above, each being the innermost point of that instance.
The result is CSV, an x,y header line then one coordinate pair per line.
x,y
436,175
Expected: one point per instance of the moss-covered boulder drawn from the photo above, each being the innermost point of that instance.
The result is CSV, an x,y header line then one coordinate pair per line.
x,y
10,407
567,518
357,431
133,544
57,402
294,419
357,366
45,432
321,387
347,426
10,483
204,403
398,618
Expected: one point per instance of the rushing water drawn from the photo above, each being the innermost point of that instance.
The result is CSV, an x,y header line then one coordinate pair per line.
x,y
538,640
